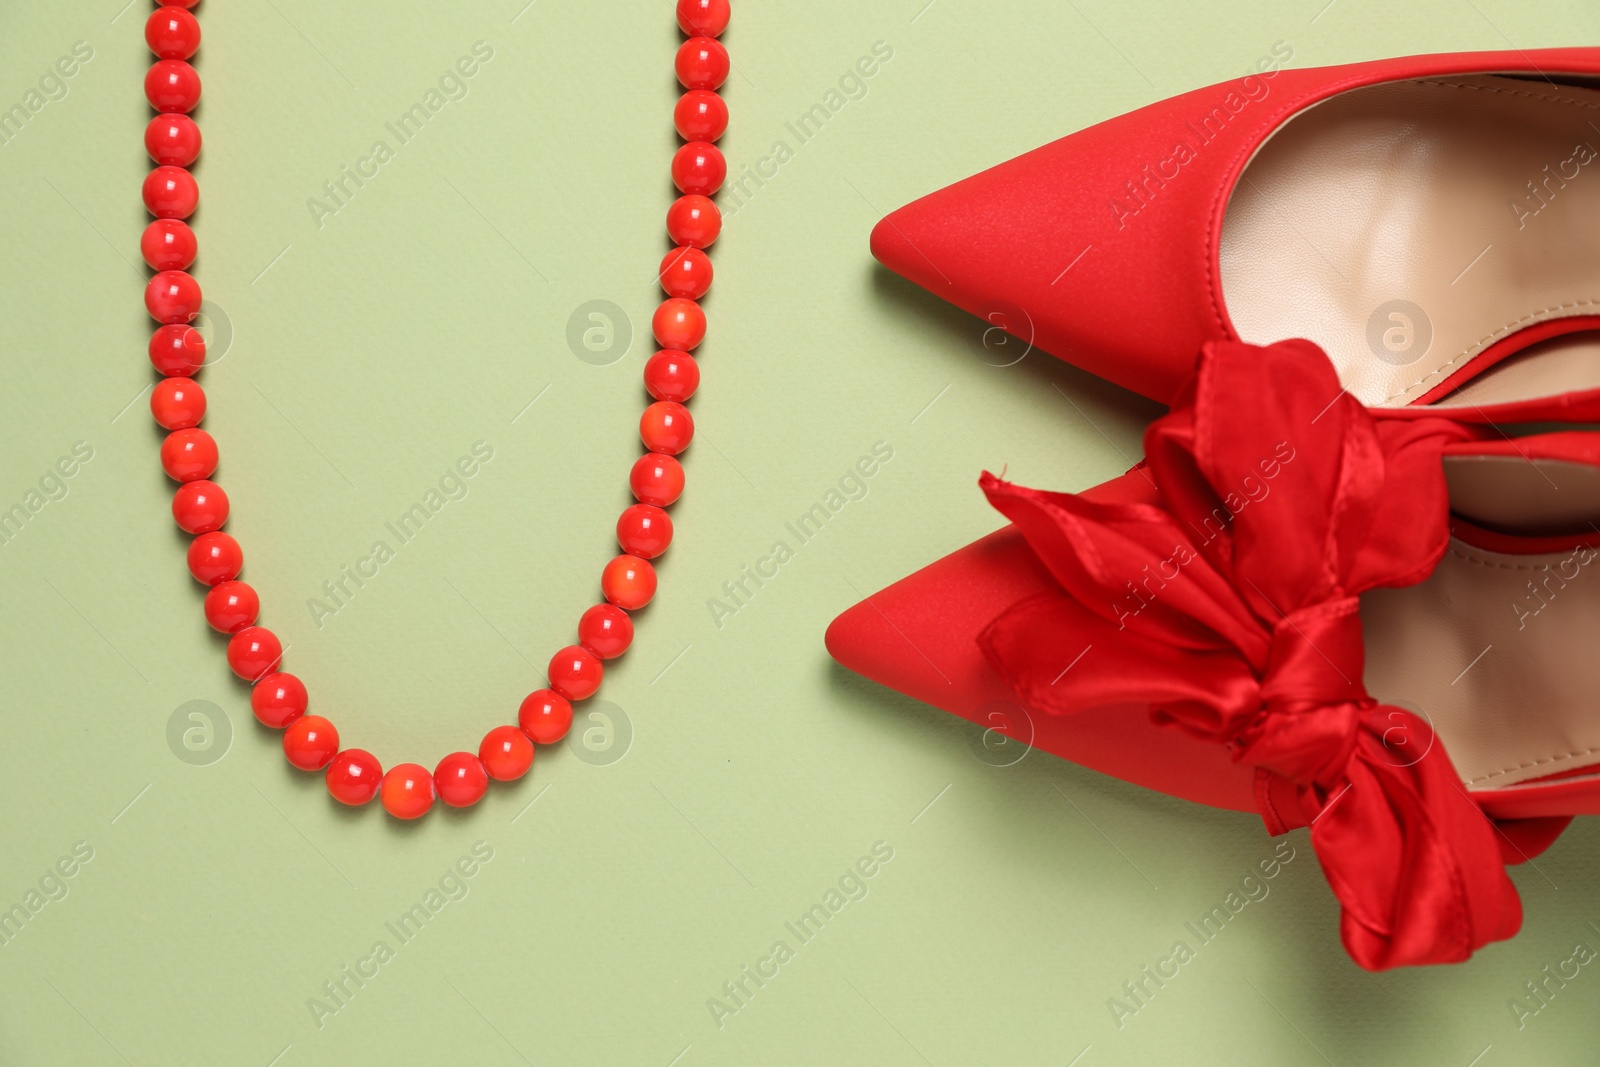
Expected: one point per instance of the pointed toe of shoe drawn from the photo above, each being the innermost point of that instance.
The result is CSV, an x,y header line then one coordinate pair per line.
x,y
917,636
1055,247
920,637
891,248
851,638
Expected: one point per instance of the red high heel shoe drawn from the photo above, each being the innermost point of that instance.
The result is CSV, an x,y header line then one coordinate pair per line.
x,y
1212,623
1423,219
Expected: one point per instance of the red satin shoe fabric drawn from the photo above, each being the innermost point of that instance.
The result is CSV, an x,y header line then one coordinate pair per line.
x,y
1249,635
1245,639
1053,245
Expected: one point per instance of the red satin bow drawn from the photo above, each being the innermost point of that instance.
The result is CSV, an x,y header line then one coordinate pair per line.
x,y
1231,608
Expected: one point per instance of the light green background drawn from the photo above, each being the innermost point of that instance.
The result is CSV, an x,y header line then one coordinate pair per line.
x,y
370,353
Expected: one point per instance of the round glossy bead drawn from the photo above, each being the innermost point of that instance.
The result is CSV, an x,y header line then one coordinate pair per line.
x,y
200,506
170,193
672,375
231,606
278,700
215,557
644,530
177,350
506,753
353,776
408,791
172,33
178,3
168,244
254,653
699,167
656,479
575,673
703,17
694,220
666,427
679,323
188,455
628,582
701,63
310,742
172,85
605,630
179,403
700,115
173,297
545,716
686,272
460,779
172,140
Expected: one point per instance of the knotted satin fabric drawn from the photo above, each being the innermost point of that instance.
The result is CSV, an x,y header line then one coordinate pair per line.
x,y
1231,608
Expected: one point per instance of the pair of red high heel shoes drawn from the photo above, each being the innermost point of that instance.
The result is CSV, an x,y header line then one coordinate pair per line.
x,y
1350,587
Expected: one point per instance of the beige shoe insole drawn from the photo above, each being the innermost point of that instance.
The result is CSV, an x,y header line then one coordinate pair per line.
x,y
1498,651
1408,227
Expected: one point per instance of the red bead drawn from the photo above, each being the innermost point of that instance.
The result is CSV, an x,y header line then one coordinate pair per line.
x,y
199,506
686,272
605,630
408,791
666,427
694,220
172,140
278,699
170,193
628,582
644,530
172,296
705,17
545,716
168,244
701,63
700,115
679,323
172,85
698,167
231,606
460,779
172,33
656,479
177,350
672,375
254,652
179,403
575,673
215,557
506,753
353,776
310,742
188,455
177,3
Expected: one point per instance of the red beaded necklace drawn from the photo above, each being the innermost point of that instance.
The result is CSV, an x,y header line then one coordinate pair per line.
x,y
189,454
